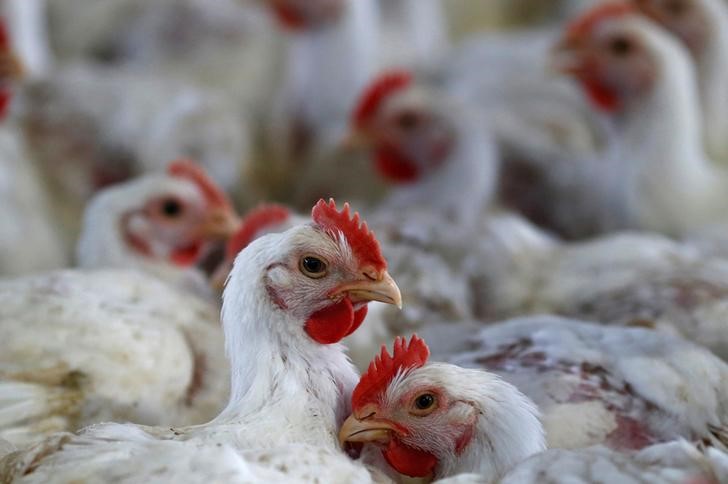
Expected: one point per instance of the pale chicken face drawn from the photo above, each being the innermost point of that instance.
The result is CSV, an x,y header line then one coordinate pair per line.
x,y
687,19
411,137
328,273
176,223
612,62
307,14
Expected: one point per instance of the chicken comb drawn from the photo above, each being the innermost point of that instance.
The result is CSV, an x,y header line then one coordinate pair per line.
x,y
384,368
191,171
257,219
362,241
379,90
588,21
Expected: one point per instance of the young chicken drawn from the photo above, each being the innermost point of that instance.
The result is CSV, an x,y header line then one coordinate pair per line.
x,y
702,26
437,420
289,301
24,207
160,224
626,388
643,77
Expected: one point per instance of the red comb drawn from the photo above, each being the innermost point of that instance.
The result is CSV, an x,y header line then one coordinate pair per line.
x,y
191,171
379,90
362,241
385,367
587,21
254,221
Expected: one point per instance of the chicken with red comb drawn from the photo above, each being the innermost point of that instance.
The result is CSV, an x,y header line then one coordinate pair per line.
x,y
702,26
437,420
290,298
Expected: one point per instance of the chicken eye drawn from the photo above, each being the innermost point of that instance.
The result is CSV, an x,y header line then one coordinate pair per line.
x,y
424,404
172,208
621,46
313,267
407,120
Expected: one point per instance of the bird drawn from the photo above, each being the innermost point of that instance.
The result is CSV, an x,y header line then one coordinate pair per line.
x,y
438,420
624,388
290,299
702,26
644,79
162,224
24,204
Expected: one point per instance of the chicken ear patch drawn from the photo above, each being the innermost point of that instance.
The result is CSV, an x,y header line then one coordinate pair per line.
x,y
362,241
385,367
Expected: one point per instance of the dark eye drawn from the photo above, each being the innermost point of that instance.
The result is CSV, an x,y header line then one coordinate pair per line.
x,y
313,267
425,401
408,120
621,46
171,208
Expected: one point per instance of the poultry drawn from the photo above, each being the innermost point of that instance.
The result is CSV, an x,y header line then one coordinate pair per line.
x,y
702,26
437,420
625,388
26,21
90,127
413,33
672,463
290,299
331,52
24,207
159,224
638,73
100,341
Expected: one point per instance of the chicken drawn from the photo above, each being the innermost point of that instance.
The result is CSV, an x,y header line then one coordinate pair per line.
x,y
289,300
331,52
672,463
90,127
702,26
632,69
26,19
24,207
626,388
437,420
160,224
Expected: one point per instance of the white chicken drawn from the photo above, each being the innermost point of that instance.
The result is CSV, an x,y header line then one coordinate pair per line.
x,y
26,22
626,388
24,206
436,420
702,25
289,300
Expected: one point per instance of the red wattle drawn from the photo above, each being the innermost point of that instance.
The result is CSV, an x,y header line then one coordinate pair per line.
x,y
395,167
359,316
408,461
604,98
186,256
332,324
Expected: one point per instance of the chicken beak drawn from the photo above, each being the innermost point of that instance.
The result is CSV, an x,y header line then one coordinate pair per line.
x,y
365,431
220,223
382,289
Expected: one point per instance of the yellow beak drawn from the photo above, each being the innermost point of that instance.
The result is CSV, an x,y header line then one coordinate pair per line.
x,y
220,223
383,289
566,58
365,431
355,140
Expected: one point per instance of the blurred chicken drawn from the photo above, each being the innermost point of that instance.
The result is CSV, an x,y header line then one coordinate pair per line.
x,y
24,205
436,420
160,224
643,77
671,463
702,25
26,20
290,299
92,127
626,388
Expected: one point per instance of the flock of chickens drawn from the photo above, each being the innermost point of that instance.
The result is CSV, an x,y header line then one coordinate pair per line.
x,y
182,300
